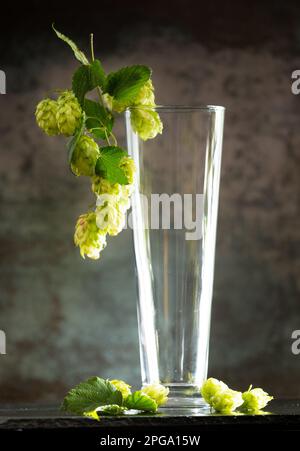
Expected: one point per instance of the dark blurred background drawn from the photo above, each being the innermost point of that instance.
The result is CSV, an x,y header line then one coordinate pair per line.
x,y
66,318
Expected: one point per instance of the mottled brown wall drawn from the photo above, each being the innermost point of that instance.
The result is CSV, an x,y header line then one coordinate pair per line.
x,y
66,318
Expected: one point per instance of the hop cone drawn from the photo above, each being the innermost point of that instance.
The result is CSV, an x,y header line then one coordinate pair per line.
x,y
88,237
157,392
128,166
110,214
68,114
145,95
45,115
226,401
211,387
146,122
122,387
101,185
85,156
255,399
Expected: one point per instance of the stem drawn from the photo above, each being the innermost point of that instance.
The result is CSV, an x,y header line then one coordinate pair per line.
x,y
107,138
114,138
101,96
92,46
93,59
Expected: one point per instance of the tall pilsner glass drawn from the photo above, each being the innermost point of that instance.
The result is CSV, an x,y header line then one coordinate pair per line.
x,y
174,218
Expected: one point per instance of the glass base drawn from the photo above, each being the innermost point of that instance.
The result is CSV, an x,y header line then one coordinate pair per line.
x,y
184,396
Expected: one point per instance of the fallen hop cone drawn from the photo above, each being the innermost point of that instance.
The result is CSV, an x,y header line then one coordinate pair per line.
x,y
211,387
45,115
124,388
226,401
157,392
255,399
85,156
68,114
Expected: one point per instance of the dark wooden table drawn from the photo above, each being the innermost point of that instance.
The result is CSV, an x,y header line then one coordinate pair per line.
x,y
283,415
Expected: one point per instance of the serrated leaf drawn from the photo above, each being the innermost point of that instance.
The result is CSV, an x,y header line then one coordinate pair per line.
x,y
108,164
125,84
81,82
74,140
99,120
140,401
98,77
78,53
89,395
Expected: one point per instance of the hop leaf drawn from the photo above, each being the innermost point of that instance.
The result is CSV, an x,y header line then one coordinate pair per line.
x,y
78,53
91,394
211,387
145,122
144,97
122,387
68,114
255,399
85,156
125,84
88,237
157,392
45,115
140,401
108,165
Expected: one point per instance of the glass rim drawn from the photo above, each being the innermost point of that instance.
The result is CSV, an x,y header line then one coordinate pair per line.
x,y
177,108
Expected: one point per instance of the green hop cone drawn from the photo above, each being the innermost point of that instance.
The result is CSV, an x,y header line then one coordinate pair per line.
x,y
45,115
85,156
128,166
157,392
122,387
211,387
255,399
145,122
88,237
226,401
101,185
68,114
110,214
145,95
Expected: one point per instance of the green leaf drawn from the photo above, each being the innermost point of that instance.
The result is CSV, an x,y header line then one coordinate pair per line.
x,y
78,53
86,78
89,395
125,84
99,119
74,140
108,164
140,401
98,77
81,82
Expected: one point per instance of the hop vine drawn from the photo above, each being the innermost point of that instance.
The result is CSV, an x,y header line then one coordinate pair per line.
x,y
93,149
